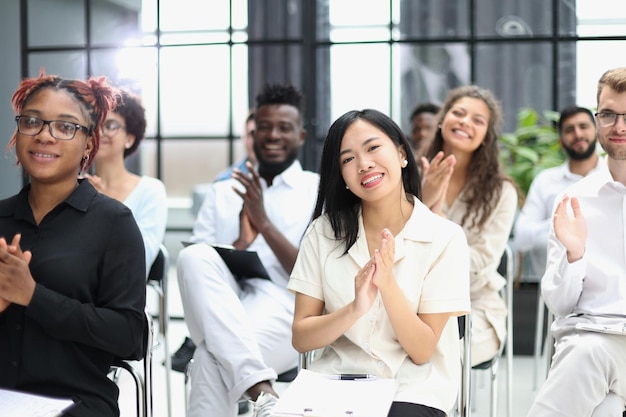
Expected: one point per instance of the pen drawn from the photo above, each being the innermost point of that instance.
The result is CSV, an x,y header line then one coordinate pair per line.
x,y
352,377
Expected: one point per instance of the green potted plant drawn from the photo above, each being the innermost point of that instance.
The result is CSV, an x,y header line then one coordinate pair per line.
x,y
532,147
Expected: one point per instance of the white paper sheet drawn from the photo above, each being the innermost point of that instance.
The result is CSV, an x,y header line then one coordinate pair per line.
x,y
20,404
313,394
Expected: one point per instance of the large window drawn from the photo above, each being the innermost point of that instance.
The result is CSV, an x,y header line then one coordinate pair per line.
x,y
198,64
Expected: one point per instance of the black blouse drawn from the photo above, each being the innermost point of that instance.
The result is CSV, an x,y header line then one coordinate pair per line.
x,y
88,306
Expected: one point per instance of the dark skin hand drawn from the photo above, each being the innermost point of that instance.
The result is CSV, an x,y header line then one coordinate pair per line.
x,y
253,218
16,283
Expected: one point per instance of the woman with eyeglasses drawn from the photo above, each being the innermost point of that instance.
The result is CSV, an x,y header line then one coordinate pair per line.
x,y
72,270
122,132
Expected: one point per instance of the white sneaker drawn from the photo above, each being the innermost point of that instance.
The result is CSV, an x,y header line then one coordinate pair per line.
x,y
263,405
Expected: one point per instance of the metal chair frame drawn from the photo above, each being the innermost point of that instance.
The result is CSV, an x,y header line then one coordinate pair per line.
x,y
142,379
505,269
158,281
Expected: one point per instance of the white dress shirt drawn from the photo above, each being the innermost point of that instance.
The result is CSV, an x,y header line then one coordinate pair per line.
x,y
288,203
595,285
533,223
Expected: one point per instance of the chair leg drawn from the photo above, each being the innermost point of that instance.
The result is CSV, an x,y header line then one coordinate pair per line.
x,y
494,390
163,325
538,338
188,384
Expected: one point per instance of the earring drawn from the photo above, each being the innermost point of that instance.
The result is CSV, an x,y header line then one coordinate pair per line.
x,y
347,188
83,166
127,145
405,163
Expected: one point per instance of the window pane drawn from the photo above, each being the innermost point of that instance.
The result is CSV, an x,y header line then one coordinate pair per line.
x,y
275,19
428,71
274,64
192,15
134,69
593,59
529,64
370,24
45,17
195,90
115,23
434,18
359,78
600,18
63,64
240,101
511,18
187,162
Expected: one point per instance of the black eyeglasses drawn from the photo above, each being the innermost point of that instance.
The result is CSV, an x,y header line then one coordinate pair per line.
x,y
606,119
59,129
111,127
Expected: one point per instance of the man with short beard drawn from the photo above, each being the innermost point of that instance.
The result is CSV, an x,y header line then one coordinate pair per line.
x,y
577,136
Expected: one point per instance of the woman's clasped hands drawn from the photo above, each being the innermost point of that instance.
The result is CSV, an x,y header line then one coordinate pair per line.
x,y
376,275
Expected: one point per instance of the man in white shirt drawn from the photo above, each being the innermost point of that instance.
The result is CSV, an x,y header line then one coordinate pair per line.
x,y
242,327
585,279
577,136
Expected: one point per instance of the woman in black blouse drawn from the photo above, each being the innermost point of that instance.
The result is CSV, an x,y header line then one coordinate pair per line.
x,y
72,269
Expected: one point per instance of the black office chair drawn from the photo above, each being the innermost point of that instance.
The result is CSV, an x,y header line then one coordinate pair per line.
x,y
141,378
157,280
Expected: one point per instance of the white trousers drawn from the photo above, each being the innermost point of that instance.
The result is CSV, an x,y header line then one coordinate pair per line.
x,y
242,333
588,374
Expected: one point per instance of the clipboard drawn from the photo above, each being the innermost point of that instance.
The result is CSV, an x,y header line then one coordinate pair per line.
x,y
23,404
242,263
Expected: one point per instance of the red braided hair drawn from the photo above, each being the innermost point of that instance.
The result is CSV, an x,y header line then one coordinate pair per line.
x,y
95,95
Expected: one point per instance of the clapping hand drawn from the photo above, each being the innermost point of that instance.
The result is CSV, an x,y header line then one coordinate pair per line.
x,y
376,274
97,182
13,266
571,231
383,259
364,289
436,176
253,218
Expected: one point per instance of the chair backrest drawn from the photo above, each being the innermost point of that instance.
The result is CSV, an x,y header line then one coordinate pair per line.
x,y
159,266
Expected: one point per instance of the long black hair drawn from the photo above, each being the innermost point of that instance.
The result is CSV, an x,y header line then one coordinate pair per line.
x,y
333,199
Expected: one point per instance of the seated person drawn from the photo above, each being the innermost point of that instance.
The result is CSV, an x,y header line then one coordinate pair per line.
x,y
584,282
72,270
242,328
380,279
423,127
122,132
465,182
577,136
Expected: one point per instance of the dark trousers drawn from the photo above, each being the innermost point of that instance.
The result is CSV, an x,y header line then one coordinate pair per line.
x,y
401,409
